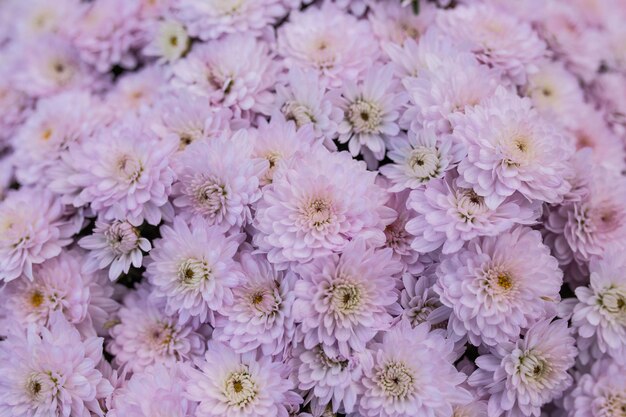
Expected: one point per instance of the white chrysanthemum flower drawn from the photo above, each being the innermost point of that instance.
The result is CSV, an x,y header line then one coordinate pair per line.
x,y
346,299
84,299
219,181
600,315
317,203
192,268
499,286
118,244
511,148
337,45
521,377
424,155
33,228
169,41
145,335
52,372
215,70
241,385
332,377
261,313
413,375
212,19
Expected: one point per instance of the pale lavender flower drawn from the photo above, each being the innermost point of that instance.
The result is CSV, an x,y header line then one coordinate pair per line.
x,y
155,391
51,373
241,385
122,173
419,301
599,393
370,111
499,286
117,245
449,214
523,375
346,299
315,205
337,45
192,268
84,299
261,313
600,315
218,180
33,228
422,156
511,148
169,41
144,335
413,374
215,70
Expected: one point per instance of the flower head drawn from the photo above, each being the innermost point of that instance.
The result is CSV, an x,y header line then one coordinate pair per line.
x,y
346,299
238,385
521,377
498,286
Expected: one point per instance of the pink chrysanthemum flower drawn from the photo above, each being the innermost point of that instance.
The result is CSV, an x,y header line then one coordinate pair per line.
x,y
116,245
219,180
39,18
33,228
144,335
370,111
439,93
241,385
15,106
600,315
157,390
522,376
56,124
499,286
188,116
346,299
497,38
449,214
215,70
260,315
396,236
105,33
84,299
279,140
511,148
419,301
305,101
334,43
599,393
556,93
595,222
421,157
123,173
391,22
413,374
192,268
52,66
315,205
136,93
211,20
332,377
53,373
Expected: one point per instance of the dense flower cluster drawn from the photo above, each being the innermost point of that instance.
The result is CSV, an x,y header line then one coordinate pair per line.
x,y
312,208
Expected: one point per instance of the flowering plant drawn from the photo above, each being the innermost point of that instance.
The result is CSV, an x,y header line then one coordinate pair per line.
x,y
312,208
